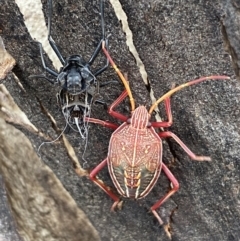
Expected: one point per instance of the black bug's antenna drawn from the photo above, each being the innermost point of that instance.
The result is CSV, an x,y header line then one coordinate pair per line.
x,y
102,18
49,17
99,47
50,39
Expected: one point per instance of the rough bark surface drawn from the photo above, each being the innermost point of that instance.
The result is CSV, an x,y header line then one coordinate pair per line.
x,y
177,41
42,208
8,229
231,31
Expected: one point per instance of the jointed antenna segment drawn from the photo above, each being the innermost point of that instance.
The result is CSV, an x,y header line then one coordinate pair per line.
x,y
192,82
125,82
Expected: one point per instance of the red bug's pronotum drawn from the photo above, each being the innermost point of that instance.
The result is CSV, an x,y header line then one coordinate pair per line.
x,y
135,150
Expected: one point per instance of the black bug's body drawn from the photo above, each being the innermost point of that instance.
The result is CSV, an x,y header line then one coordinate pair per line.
x,y
75,77
78,84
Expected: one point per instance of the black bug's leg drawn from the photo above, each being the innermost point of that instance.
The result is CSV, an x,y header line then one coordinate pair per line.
x,y
99,47
50,39
99,71
50,71
101,103
95,54
97,94
102,18
108,82
41,76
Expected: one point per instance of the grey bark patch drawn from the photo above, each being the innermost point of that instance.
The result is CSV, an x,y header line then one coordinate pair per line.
x,y
42,208
8,229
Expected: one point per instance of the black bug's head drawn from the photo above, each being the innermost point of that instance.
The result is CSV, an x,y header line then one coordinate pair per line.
x,y
75,76
74,81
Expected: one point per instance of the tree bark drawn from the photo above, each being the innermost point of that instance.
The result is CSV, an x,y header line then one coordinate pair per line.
x,y
42,208
177,41
231,33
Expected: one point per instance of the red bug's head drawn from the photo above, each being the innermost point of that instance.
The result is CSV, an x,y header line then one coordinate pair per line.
x,y
140,118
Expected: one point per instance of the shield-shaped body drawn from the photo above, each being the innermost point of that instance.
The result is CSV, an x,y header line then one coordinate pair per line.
x,y
135,156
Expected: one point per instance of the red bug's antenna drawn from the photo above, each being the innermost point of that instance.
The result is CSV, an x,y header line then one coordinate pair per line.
x,y
125,82
192,82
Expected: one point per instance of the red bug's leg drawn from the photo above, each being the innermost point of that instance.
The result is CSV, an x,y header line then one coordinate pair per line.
x,y
101,122
105,188
115,104
170,193
169,116
184,147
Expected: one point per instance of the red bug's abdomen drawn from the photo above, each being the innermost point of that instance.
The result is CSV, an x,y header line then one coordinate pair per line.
x,y
134,160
